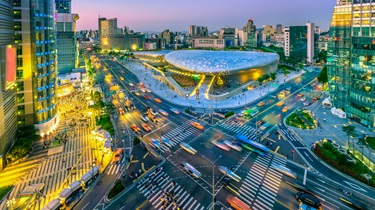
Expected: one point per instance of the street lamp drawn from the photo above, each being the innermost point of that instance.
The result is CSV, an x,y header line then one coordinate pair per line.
x,y
213,179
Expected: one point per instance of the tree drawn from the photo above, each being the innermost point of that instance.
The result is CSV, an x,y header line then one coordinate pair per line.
x,y
273,75
260,80
350,132
322,77
266,77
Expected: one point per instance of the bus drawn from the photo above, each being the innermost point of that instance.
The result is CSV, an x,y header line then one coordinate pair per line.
x,y
251,112
255,146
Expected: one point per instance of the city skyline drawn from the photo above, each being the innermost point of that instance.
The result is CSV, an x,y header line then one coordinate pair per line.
x,y
164,16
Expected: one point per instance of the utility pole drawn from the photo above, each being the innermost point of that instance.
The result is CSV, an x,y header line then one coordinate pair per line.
x,y
213,179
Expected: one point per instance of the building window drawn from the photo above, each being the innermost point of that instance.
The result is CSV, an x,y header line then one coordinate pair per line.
x,y
19,62
17,26
20,86
21,121
20,110
17,3
19,74
17,14
18,38
19,50
20,98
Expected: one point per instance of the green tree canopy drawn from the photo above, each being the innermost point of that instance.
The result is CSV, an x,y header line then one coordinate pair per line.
x,y
322,77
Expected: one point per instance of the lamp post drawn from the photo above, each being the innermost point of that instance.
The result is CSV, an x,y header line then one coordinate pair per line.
x,y
213,179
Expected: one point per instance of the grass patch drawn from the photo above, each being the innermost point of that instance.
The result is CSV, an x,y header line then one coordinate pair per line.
x,y
105,122
295,121
117,188
280,66
4,190
136,140
331,155
228,114
187,111
371,142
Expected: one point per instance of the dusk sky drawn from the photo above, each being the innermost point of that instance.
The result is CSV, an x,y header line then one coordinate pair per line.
x,y
151,15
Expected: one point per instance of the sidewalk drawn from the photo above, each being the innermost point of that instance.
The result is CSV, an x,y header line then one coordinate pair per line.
x,y
164,92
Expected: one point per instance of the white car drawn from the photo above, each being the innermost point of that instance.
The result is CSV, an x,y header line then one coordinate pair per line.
x,y
153,112
143,90
229,173
148,90
303,99
284,170
175,111
221,145
131,84
232,145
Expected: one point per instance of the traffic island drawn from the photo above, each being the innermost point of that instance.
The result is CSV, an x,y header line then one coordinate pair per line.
x,y
117,189
345,163
302,119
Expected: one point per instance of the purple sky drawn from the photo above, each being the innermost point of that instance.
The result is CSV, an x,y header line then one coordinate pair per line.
x,y
177,15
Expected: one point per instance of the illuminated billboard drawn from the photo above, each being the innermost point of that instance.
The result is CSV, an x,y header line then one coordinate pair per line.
x,y
10,66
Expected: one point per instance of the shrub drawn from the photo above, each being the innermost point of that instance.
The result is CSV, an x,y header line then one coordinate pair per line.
x,y
4,190
117,188
187,111
228,114
105,122
136,140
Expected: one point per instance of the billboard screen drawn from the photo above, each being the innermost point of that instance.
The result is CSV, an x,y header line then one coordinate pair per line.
x,y
11,65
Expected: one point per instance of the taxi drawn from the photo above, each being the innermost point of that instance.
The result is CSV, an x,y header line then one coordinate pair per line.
x,y
157,100
280,103
285,109
146,127
261,104
197,125
135,128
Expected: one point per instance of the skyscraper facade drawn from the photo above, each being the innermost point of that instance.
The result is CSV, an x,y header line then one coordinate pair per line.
x,y
192,30
36,63
295,45
351,60
63,6
8,61
66,42
310,42
279,29
107,27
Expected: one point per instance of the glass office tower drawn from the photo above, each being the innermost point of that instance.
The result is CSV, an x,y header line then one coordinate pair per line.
x,y
36,61
351,61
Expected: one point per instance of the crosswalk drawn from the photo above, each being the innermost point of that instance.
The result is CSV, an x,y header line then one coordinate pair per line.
x,y
115,168
259,188
178,134
287,134
242,129
158,185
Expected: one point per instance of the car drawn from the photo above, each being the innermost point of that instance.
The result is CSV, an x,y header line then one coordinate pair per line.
x,y
272,96
135,128
148,90
278,116
285,109
309,200
166,141
289,88
146,127
153,112
233,145
259,122
221,145
126,97
175,111
280,103
300,95
120,91
237,203
154,119
145,112
316,98
264,126
261,103
188,148
141,83
161,111
121,110
117,155
229,173
137,93
306,103
284,170
155,142
143,90
197,125
193,171
131,84
132,106
145,97
127,108
303,99
144,118
157,100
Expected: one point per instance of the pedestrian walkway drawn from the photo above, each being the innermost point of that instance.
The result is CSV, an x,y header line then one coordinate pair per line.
x,y
178,134
242,129
116,168
163,193
286,133
257,192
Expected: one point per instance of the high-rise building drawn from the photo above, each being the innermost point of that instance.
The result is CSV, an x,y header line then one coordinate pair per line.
x,y
351,60
310,42
66,42
192,30
279,29
8,64
250,27
36,64
168,36
63,6
297,41
267,33
107,27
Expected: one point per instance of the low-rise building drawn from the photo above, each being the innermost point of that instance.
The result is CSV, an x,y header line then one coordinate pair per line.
x,y
209,42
